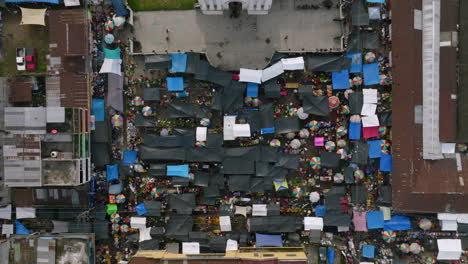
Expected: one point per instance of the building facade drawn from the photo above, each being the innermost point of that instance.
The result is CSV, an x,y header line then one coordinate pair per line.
x,y
253,7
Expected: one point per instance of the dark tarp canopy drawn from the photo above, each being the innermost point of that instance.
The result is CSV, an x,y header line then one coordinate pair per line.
x,y
148,153
327,63
80,227
305,90
275,224
316,105
169,141
384,196
183,131
153,208
157,169
356,101
267,153
230,98
100,212
100,154
287,125
125,171
211,191
204,154
273,209
201,179
358,194
144,121
157,231
335,219
180,109
217,244
179,225
120,8
288,161
256,184
359,40
238,166
180,181
385,118
277,173
239,183
349,175
360,153
214,140
182,203
359,15
272,89
101,229
151,94
200,237
248,153
157,62
263,118
330,159
193,62
217,179
152,244
102,133
333,199
218,76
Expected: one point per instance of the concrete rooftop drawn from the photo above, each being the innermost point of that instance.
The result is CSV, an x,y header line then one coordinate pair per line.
x,y
232,43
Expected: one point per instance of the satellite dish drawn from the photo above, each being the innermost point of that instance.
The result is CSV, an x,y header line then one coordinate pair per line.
x,y
54,154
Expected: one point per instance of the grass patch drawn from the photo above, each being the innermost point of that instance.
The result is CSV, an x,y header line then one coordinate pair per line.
x,y
149,5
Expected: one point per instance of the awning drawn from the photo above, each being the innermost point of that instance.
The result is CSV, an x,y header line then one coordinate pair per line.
x,y
292,64
247,75
313,223
449,249
111,66
272,71
33,16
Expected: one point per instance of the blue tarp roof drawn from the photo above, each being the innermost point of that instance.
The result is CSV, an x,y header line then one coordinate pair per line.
x,y
375,220
129,157
368,251
356,62
21,229
141,209
376,1
267,130
371,73
120,8
354,131
33,1
178,170
375,149
331,255
263,240
320,210
112,172
179,62
175,84
112,54
340,80
97,109
386,163
252,90
398,223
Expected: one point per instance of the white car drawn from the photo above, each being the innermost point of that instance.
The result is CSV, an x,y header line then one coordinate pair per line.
x,y
21,59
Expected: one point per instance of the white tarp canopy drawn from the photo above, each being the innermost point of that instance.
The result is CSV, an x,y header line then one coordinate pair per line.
x,y
449,249
225,223
71,2
369,96
30,16
259,210
241,210
190,248
313,223
447,216
25,212
228,127
231,245
137,222
253,76
292,64
201,133
60,226
370,121
462,218
241,130
449,225
5,212
7,229
111,66
55,114
145,233
272,71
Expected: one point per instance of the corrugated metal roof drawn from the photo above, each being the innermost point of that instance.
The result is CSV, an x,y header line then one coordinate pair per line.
x,y
28,120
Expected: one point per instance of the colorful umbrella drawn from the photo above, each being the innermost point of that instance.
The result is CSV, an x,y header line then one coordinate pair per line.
x,y
461,147
205,122
297,192
280,185
430,260
200,144
415,248
330,145
156,192
338,177
111,198
120,198
256,102
124,228
385,146
425,224
333,102
119,21
109,38
343,153
404,248
276,143
109,25
358,175
382,130
313,125
315,163
115,218
347,92
248,100
115,228
147,111
292,111
304,133
356,81
384,79
341,143
344,110
137,101
301,114
295,143
341,131
388,236
139,168
117,120
369,57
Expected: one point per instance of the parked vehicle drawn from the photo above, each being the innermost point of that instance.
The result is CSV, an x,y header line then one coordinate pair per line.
x,y
323,255
21,59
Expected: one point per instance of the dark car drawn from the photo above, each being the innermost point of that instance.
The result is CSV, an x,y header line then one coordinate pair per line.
x,y
322,255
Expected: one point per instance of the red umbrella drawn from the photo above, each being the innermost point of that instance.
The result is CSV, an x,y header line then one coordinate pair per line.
x,y
333,102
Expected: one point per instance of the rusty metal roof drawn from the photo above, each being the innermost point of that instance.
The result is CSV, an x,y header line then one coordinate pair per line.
x,y
21,90
68,34
418,185
74,90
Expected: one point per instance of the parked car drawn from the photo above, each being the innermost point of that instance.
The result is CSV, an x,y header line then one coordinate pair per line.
x,y
21,59
323,255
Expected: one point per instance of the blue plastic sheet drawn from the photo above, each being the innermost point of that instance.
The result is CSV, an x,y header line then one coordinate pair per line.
x,y
120,8
252,90
371,73
376,1
398,223
320,210
112,172
375,149
21,229
175,84
267,130
340,80
33,1
129,157
178,170
354,131
356,62
97,109
331,255
178,62
263,240
368,251
375,219
386,163
112,54
141,209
